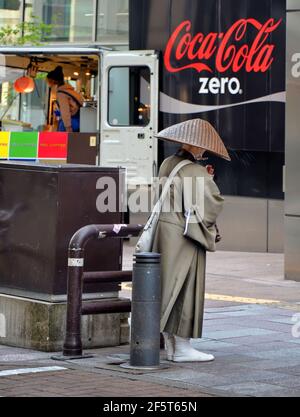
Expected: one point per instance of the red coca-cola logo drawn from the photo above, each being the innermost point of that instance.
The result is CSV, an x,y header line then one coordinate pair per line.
x,y
229,54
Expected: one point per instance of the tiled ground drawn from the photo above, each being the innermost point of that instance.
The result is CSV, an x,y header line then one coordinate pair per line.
x,y
256,355
251,326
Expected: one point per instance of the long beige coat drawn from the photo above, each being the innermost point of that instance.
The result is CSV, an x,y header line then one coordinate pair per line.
x,y
184,256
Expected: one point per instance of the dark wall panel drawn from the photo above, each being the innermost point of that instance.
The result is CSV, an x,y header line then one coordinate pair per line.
x,y
250,130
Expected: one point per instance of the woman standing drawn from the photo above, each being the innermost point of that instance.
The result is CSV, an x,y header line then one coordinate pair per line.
x,y
183,236
68,101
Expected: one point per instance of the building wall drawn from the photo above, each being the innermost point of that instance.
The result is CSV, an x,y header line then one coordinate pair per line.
x,y
75,21
292,201
254,132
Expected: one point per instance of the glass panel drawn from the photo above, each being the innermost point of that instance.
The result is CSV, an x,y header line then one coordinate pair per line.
x,y
22,112
72,20
129,96
33,109
113,21
9,99
10,12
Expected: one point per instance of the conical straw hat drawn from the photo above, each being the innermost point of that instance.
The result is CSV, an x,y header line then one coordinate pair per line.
x,y
196,132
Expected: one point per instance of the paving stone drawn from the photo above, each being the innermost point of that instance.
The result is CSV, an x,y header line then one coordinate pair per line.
x,y
258,339
215,345
238,333
208,329
286,392
288,370
245,349
227,314
273,364
256,389
180,374
241,307
280,311
236,377
287,320
225,364
295,340
278,327
288,381
278,354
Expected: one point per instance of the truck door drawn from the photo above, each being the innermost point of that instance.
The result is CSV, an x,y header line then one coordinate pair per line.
x,y
129,113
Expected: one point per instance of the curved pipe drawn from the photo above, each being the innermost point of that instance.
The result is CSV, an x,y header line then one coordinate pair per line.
x,y
95,231
73,344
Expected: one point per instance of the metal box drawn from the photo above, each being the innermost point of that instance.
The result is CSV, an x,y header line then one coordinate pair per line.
x,y
41,207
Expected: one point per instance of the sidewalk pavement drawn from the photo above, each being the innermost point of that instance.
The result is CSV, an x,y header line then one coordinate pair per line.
x,y
251,325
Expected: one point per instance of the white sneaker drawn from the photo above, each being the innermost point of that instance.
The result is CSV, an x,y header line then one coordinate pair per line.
x,y
184,352
169,345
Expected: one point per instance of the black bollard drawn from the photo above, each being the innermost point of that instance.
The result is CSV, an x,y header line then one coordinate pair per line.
x,y
145,313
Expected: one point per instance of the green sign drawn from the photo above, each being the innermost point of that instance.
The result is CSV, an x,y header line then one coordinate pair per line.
x,y
23,145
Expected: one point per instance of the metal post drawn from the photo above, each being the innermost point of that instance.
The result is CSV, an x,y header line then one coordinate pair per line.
x,y
145,317
73,345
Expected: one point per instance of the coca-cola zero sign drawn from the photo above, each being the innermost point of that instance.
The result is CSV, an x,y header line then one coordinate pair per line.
x,y
220,52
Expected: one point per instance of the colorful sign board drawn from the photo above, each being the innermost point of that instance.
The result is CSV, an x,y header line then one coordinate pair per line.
x,y
33,145
4,145
23,145
52,145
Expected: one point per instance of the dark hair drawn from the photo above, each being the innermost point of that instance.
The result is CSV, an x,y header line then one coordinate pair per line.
x,y
57,75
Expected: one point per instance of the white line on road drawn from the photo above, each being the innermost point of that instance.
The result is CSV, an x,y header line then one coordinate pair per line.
x,y
23,371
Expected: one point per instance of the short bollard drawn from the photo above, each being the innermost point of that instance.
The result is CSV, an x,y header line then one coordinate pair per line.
x,y
145,312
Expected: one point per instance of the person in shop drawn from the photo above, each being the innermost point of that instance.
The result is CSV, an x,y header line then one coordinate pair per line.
x,y
183,236
68,101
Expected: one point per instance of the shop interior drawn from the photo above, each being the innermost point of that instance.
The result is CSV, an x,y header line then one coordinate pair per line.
x,y
28,104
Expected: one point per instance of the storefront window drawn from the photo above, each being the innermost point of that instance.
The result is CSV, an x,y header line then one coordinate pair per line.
x,y
113,21
10,12
72,20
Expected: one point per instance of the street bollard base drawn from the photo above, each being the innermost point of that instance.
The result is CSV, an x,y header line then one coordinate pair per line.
x,y
144,368
63,358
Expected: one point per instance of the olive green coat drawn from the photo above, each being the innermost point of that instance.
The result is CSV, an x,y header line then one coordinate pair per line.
x,y
184,256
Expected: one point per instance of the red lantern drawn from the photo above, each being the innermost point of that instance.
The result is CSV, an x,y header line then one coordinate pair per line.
x,y
24,85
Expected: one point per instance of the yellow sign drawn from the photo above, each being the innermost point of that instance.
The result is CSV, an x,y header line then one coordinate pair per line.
x,y
4,145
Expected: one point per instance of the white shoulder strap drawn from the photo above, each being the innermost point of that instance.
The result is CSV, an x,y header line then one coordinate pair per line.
x,y
171,177
158,206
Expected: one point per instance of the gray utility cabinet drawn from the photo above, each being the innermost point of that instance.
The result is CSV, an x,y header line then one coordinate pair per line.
x,y
41,207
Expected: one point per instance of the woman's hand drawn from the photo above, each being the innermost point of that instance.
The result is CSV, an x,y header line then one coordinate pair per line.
x,y
69,129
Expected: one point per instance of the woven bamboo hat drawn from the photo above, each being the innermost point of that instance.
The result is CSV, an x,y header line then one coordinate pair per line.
x,y
196,132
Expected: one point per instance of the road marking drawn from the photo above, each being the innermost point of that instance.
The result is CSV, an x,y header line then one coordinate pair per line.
x,y
235,299
221,297
23,371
